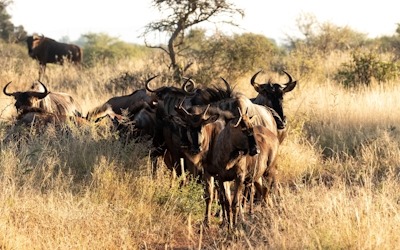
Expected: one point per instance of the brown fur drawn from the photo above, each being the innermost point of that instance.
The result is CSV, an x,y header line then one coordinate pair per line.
x,y
132,103
47,50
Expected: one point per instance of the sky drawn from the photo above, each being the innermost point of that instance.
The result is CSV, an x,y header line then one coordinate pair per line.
x,y
126,19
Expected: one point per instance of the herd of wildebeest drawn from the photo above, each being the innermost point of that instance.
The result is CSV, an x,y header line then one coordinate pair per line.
x,y
214,133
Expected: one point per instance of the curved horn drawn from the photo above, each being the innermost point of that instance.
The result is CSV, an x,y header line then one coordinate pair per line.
x,y
205,110
180,108
5,92
240,118
40,95
21,39
252,81
44,87
185,85
147,84
289,76
184,110
37,37
228,86
181,103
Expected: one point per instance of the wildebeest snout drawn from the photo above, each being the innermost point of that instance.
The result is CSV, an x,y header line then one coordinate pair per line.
x,y
254,151
195,150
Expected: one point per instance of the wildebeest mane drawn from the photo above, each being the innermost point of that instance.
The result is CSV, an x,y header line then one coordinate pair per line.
x,y
222,114
210,95
60,103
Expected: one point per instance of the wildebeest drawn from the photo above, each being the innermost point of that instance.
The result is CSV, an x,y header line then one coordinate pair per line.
x,y
47,50
271,95
57,103
168,140
230,150
144,121
169,95
39,118
132,103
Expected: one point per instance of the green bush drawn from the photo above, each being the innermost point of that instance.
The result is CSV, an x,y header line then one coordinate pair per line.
x,y
228,56
104,48
364,67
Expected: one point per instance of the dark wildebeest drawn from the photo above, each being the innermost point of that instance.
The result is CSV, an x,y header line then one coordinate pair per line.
x,y
132,102
144,121
271,95
230,150
47,50
52,102
167,139
170,95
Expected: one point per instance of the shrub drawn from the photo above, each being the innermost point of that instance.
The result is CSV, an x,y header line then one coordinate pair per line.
x,y
364,67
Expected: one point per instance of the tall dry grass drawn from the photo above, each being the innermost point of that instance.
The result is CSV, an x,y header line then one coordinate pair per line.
x,y
339,174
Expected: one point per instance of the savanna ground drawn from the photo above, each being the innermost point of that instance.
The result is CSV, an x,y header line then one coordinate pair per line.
x,y
339,173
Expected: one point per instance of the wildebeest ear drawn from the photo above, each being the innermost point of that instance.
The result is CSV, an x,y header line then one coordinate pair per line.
x,y
211,119
289,87
257,87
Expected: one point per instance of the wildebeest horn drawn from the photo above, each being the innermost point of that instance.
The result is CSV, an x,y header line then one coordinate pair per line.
x,y
228,86
289,76
252,81
147,84
240,118
180,107
5,92
40,95
21,39
181,103
36,37
185,85
205,110
44,87
184,110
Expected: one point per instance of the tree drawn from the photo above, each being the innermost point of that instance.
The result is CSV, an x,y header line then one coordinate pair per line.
x,y
8,32
231,56
324,37
181,15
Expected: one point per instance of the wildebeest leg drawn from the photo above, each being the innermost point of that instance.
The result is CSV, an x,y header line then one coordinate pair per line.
x,y
271,184
209,193
42,70
226,203
248,197
170,163
236,203
263,191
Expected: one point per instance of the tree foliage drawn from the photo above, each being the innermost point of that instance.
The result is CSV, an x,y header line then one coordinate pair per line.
x,y
178,16
364,67
324,37
100,47
225,55
9,32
